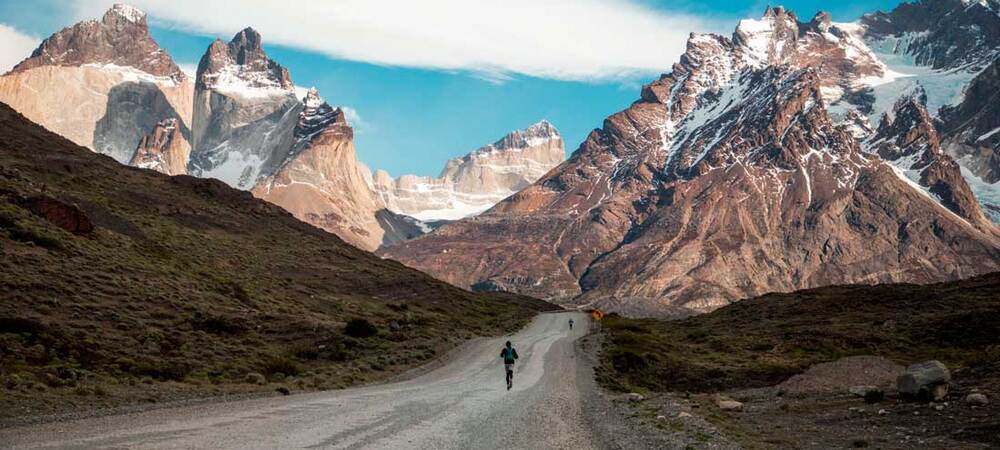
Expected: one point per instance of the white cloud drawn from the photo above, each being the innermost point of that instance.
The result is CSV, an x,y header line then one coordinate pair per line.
x,y
359,125
16,47
189,69
563,39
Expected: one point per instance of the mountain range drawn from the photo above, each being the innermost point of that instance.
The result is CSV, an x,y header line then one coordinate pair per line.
x,y
241,121
791,154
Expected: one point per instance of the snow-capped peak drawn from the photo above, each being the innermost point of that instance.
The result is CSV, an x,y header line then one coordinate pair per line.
x,y
312,98
765,40
127,12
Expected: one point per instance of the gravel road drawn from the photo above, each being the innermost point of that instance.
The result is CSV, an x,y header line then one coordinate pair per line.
x,y
460,405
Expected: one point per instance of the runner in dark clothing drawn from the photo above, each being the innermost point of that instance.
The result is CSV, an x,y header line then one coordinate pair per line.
x,y
509,355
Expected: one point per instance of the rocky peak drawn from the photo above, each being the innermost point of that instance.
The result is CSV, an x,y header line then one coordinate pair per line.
x,y
821,22
768,40
536,134
907,131
120,38
710,62
241,66
909,141
121,15
317,116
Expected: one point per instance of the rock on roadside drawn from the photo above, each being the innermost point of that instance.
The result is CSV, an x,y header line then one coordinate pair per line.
x,y
925,381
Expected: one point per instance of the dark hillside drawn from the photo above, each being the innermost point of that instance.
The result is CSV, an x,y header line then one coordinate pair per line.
x,y
762,341
120,285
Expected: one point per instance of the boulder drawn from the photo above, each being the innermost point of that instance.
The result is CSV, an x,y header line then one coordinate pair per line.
x,y
729,405
926,381
977,399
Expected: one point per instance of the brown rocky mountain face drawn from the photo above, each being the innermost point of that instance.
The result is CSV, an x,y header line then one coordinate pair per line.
x,y
120,84
727,179
120,38
164,150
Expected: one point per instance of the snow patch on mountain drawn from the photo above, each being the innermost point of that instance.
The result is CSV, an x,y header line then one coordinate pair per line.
x,y
128,12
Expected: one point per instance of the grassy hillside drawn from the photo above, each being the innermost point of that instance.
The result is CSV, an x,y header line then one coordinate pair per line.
x,y
185,287
762,341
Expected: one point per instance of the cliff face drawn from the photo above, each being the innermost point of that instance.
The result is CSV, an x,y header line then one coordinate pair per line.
x,y
322,182
164,150
245,112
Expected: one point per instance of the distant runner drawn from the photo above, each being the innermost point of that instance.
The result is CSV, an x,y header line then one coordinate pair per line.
x,y
509,355
571,324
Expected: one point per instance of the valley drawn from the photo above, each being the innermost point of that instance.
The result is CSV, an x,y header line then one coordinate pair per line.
x,y
788,239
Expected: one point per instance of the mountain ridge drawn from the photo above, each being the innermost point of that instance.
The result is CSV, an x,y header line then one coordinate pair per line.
x,y
651,212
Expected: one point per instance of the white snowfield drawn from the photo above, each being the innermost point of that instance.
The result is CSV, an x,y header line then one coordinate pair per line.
x,y
461,405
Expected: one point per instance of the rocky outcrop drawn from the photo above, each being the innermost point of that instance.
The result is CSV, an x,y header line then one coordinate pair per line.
x,y
118,80
910,142
475,182
322,182
61,214
727,179
245,112
164,149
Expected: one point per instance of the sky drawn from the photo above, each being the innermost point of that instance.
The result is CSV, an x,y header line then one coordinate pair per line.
x,y
429,80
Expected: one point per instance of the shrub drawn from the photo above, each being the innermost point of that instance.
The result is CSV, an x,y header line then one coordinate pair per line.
x,y
282,365
360,328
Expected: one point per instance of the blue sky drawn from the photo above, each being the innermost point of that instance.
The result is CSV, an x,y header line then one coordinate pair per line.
x,y
430,87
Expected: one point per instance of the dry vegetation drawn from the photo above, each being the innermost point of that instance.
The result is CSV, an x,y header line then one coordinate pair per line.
x,y
187,288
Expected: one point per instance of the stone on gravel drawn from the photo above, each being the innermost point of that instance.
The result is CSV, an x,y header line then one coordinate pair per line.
x,y
924,381
977,399
842,375
635,397
683,414
729,405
